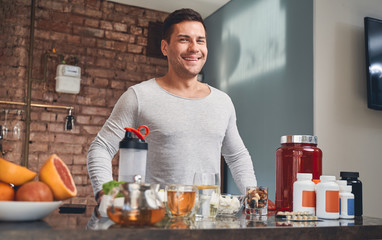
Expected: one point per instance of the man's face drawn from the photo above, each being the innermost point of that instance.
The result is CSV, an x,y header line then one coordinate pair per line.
x,y
187,50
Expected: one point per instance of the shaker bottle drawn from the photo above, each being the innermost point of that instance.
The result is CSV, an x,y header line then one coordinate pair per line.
x,y
133,156
297,154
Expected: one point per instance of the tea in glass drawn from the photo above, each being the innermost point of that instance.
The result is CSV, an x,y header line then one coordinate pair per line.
x,y
180,200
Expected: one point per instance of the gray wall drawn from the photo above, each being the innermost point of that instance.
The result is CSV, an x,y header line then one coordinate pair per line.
x,y
261,54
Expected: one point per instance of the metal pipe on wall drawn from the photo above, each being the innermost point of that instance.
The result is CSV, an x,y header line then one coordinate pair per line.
x,y
29,87
30,79
38,105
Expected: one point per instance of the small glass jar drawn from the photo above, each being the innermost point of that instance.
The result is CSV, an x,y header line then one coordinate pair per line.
x,y
256,201
297,154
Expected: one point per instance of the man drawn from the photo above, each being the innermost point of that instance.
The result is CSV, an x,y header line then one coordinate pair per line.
x,y
191,124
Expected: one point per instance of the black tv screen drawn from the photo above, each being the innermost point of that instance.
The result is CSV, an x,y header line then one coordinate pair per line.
x,y
373,43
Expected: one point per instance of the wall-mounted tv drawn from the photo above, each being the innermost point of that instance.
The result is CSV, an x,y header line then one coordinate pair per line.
x,y
373,43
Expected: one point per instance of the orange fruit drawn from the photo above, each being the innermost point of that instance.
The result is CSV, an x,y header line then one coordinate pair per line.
x,y
34,191
7,193
15,174
56,174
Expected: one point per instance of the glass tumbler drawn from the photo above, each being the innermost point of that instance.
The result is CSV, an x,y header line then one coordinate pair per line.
x,y
256,201
207,200
180,200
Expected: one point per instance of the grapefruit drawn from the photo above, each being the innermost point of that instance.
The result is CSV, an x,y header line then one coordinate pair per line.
x,y
15,174
34,191
7,193
57,176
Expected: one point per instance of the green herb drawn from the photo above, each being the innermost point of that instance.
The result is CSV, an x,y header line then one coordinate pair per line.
x,y
107,187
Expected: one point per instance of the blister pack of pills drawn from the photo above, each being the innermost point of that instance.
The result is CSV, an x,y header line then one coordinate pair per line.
x,y
296,216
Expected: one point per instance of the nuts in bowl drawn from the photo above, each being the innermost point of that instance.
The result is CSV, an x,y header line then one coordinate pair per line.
x,y
229,205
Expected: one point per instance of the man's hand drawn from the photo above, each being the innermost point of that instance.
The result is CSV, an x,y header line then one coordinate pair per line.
x,y
99,196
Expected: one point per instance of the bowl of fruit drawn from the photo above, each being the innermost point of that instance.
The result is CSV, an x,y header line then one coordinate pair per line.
x,y
23,198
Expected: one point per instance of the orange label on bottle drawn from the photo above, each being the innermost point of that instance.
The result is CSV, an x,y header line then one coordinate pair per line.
x,y
332,201
308,198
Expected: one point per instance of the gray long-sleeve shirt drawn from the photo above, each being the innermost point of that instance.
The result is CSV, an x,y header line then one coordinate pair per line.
x,y
186,136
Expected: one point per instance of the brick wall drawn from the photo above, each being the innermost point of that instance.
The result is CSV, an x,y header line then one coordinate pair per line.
x,y
109,40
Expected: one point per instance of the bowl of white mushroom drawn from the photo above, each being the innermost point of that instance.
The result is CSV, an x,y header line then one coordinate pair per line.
x,y
230,205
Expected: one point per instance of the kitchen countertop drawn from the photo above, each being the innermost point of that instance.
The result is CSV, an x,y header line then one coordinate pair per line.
x,y
88,225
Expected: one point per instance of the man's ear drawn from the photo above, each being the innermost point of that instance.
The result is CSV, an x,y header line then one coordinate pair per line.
x,y
163,47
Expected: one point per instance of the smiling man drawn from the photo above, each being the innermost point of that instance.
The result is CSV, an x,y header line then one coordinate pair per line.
x,y
185,46
191,123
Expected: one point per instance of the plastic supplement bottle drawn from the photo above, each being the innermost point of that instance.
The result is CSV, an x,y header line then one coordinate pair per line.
x,y
346,202
327,198
304,195
352,179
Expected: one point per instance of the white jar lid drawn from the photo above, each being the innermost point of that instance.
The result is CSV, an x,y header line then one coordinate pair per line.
x,y
304,176
342,182
327,178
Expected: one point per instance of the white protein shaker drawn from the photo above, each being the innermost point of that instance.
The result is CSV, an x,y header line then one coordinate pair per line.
x,y
133,156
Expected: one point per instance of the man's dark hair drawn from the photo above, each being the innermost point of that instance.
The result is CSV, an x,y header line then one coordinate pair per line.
x,y
181,15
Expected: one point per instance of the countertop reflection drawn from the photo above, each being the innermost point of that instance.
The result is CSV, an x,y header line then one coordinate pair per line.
x,y
91,220
89,225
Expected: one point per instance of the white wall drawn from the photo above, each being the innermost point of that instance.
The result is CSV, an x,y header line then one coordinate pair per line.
x,y
349,134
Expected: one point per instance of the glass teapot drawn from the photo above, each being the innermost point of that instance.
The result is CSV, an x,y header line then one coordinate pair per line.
x,y
136,204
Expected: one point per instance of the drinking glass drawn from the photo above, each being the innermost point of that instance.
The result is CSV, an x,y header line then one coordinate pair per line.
x,y
5,124
256,201
17,127
207,201
180,200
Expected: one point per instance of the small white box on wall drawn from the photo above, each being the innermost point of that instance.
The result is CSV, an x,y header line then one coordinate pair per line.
x,y
68,79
